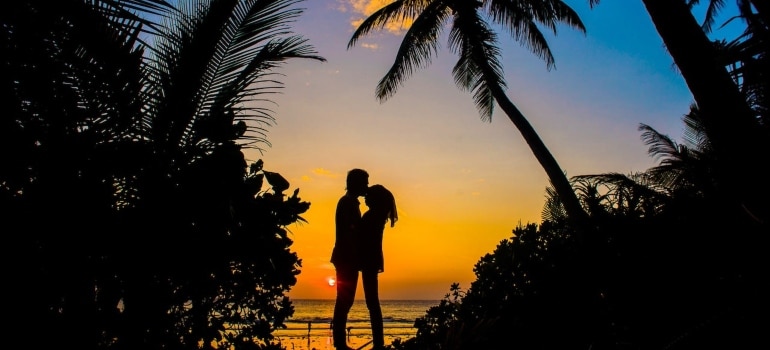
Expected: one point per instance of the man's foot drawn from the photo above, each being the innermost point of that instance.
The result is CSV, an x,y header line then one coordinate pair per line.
x,y
343,347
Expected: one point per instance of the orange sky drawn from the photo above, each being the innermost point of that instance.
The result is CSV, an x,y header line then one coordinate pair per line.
x,y
461,185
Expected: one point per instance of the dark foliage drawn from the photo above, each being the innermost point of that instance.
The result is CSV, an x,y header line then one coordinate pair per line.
x,y
125,236
667,282
678,258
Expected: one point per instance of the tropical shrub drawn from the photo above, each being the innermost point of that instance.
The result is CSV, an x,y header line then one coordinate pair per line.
x,y
134,219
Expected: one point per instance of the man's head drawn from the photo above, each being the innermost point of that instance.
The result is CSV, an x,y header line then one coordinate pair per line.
x,y
357,182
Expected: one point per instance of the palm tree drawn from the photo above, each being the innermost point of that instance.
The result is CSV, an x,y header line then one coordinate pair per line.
x,y
679,201
684,174
208,74
741,147
478,69
747,56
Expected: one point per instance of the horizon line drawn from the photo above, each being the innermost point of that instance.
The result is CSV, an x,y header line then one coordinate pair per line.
x,y
362,299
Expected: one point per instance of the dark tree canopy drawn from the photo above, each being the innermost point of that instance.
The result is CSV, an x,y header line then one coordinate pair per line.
x,y
133,217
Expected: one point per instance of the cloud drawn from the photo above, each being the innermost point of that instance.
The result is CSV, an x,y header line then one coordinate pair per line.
x,y
370,46
363,8
342,6
324,173
367,7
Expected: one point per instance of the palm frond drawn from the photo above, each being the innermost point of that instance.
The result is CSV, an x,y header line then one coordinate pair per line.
x,y
478,66
712,11
209,58
153,7
659,145
553,209
695,130
397,11
549,13
681,167
419,45
252,53
241,93
145,12
522,18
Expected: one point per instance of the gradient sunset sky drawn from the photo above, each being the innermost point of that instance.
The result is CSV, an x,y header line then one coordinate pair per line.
x,y
461,184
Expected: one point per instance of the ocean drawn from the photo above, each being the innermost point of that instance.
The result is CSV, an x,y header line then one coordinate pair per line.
x,y
398,321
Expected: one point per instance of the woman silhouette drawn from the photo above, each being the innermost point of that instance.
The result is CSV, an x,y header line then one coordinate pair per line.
x,y
381,208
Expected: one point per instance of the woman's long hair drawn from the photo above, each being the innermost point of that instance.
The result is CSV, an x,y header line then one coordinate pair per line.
x,y
380,198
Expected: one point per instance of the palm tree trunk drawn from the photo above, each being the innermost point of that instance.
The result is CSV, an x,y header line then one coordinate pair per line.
x,y
696,57
555,174
730,123
763,10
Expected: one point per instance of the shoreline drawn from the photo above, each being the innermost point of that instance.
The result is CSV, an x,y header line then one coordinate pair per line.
x,y
361,341
309,328
321,338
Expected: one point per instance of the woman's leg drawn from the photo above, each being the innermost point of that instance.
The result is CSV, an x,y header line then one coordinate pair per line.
x,y
371,293
347,280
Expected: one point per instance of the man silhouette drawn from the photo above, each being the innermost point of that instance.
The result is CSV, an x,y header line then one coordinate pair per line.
x,y
344,255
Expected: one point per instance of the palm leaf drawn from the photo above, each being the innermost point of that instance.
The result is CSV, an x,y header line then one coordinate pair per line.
x,y
553,209
416,50
522,18
714,6
214,62
397,11
478,66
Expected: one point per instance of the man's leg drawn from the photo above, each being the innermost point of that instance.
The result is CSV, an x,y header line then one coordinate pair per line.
x,y
371,293
347,280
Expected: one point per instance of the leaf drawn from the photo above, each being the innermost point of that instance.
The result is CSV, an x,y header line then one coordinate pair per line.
x,y
277,181
256,167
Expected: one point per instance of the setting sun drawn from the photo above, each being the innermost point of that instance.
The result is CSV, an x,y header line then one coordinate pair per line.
x,y
331,281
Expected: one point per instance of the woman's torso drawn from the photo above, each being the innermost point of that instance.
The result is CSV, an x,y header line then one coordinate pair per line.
x,y
369,242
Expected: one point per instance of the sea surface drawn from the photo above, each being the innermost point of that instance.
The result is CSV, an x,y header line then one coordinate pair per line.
x,y
310,327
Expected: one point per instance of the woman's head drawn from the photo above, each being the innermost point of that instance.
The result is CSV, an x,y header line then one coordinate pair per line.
x,y
381,199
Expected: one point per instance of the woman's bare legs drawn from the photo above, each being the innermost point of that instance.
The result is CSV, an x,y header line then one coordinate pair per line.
x,y
371,293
